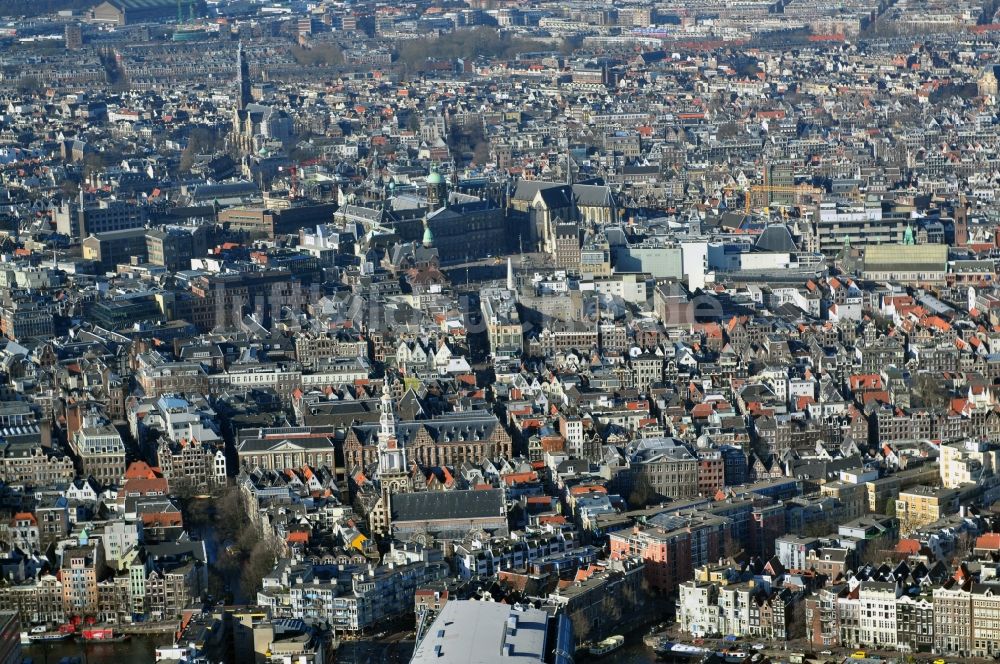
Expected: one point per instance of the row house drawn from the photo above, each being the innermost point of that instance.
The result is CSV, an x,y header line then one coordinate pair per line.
x,y
915,622
897,425
952,620
170,591
874,614
34,466
742,610
311,349
350,598
191,462
82,567
822,616
84,588
487,560
113,599
36,601
878,613
778,615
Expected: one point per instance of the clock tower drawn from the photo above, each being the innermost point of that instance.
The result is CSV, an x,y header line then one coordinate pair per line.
x,y
393,468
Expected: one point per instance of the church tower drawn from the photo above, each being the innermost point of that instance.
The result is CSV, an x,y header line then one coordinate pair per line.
x,y
391,455
241,139
242,78
961,222
393,468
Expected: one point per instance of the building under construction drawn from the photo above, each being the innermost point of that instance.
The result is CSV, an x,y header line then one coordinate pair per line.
x,y
130,12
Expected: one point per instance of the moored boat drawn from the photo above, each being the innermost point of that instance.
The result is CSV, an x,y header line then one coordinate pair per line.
x,y
607,646
44,637
102,635
42,633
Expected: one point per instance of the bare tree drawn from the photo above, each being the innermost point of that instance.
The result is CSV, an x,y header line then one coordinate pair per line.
x,y
582,627
642,491
261,561
932,393
874,554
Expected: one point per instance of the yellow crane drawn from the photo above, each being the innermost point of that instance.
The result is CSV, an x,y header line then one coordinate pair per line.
x,y
800,192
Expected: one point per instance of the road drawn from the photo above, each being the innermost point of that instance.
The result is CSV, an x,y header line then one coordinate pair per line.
x,y
230,576
488,269
780,653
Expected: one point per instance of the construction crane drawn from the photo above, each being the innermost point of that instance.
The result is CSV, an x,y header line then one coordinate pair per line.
x,y
799,191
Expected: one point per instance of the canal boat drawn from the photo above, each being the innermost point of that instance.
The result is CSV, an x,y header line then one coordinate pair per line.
x,y
46,637
607,646
101,635
42,634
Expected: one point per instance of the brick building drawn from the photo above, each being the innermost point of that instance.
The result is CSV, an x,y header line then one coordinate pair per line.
x,y
672,545
447,440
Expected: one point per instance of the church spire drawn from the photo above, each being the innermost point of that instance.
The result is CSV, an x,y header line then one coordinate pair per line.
x,y
391,455
387,418
569,165
242,78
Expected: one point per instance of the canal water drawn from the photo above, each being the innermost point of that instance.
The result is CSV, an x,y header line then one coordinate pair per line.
x,y
140,649
634,653
371,652
631,653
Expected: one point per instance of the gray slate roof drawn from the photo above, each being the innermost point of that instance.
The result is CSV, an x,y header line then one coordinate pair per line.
x,y
439,505
465,428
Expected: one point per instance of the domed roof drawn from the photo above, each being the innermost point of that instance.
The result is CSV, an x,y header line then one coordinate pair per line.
x,y
435,178
428,236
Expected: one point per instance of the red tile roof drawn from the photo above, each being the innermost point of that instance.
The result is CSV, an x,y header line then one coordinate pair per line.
x,y
989,541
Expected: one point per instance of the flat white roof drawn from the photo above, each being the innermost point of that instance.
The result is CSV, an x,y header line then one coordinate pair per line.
x,y
471,632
